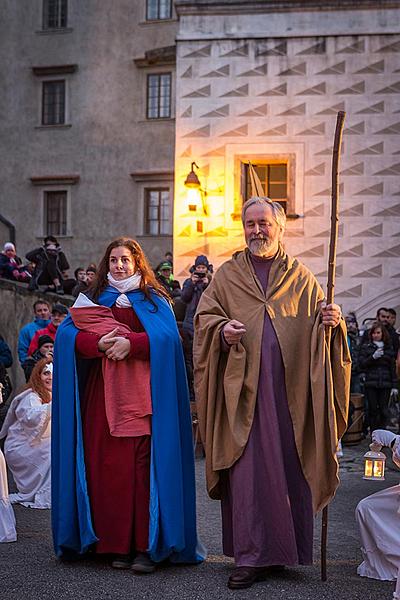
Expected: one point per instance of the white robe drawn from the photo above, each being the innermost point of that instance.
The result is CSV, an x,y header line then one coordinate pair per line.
x,y
7,518
378,518
27,430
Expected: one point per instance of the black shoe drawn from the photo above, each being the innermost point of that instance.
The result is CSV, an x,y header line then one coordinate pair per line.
x,y
244,577
33,286
143,563
59,290
122,561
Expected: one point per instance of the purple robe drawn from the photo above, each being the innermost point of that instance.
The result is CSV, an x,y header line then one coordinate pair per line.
x,y
267,516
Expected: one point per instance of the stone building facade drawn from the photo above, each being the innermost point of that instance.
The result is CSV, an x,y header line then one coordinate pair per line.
x,y
264,80
87,124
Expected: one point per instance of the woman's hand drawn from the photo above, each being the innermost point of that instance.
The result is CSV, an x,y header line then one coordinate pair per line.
x,y
120,349
106,341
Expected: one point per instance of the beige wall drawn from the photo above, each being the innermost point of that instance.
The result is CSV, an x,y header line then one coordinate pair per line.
x,y
247,90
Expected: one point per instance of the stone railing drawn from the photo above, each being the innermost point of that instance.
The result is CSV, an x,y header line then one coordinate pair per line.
x,y
16,310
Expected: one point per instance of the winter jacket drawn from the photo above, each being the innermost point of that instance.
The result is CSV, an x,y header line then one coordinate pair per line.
x,y
7,267
41,256
191,294
30,362
5,354
26,334
379,372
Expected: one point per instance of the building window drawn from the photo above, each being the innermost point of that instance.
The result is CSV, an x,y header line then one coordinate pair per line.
x,y
55,213
55,14
158,219
158,9
274,180
159,96
53,102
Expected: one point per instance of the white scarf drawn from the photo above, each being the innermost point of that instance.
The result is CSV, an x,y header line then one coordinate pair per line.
x,y
125,285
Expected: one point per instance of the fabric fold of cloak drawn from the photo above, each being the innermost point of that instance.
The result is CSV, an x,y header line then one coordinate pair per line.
x,y
172,531
226,384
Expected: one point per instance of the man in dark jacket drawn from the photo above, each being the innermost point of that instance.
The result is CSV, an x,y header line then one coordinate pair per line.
x,y
6,361
45,349
192,290
51,265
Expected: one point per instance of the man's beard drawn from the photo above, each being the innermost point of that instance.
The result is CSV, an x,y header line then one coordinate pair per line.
x,y
260,246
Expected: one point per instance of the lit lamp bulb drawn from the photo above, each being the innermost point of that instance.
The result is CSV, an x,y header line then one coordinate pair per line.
x,y
374,467
193,199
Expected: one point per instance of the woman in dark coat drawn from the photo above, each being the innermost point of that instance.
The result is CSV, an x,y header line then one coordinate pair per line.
x,y
377,361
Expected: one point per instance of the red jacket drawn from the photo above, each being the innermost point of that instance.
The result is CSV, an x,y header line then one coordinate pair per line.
x,y
49,330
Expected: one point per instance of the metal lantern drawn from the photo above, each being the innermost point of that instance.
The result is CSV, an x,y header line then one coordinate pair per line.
x,y
374,468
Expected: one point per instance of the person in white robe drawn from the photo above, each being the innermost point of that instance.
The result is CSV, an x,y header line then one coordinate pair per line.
x,y
27,429
7,517
378,518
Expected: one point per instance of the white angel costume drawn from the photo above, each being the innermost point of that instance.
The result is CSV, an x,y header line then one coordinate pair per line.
x,y
27,430
378,518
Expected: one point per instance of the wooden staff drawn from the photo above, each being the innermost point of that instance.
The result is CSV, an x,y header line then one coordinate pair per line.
x,y
331,286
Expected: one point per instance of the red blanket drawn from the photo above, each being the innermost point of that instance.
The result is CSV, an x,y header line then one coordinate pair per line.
x,y
125,417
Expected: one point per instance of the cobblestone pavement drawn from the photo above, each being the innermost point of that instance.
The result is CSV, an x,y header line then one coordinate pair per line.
x,y
29,570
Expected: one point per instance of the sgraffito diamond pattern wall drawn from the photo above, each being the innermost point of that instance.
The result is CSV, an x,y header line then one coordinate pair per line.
x,y
263,98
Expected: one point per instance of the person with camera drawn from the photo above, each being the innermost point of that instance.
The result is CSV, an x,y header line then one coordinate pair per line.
x,y
51,266
192,290
377,362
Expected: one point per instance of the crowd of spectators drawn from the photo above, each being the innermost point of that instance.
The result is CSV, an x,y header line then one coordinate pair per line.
x,y
375,356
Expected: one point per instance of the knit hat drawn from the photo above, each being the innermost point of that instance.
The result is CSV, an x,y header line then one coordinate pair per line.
x,y
201,260
9,246
59,308
45,339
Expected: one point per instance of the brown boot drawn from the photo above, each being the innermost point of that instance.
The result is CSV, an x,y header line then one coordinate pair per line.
x,y
244,577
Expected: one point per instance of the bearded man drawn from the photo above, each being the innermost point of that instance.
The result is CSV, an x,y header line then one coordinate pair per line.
x,y
272,403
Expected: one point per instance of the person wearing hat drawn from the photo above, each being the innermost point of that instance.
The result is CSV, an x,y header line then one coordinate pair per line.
x,y
58,314
11,264
51,266
166,278
193,287
45,349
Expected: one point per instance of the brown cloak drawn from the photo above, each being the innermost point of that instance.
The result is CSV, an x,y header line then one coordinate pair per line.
x,y
317,384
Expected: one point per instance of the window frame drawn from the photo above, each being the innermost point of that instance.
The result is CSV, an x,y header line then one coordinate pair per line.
x,y
45,15
283,201
43,191
43,83
146,205
159,75
158,6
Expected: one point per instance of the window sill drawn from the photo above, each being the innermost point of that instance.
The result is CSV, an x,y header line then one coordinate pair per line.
x,y
157,21
157,120
155,235
64,126
67,236
59,31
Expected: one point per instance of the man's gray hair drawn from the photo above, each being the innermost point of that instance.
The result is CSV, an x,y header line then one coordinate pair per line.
x,y
277,211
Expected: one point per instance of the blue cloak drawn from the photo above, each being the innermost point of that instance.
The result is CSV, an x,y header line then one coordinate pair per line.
x,y
172,529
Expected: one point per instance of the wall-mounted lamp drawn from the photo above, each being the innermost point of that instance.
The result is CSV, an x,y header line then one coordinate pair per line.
x,y
192,182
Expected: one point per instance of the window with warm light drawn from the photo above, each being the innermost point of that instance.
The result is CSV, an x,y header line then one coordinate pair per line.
x,y
158,217
274,180
158,10
159,96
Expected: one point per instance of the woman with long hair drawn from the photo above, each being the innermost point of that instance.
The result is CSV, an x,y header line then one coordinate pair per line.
x,y
27,430
125,487
377,362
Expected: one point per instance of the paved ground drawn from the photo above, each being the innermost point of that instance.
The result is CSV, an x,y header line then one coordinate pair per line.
x,y
28,569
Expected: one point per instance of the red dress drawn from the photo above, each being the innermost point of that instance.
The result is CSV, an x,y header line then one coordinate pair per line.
x,y
117,468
